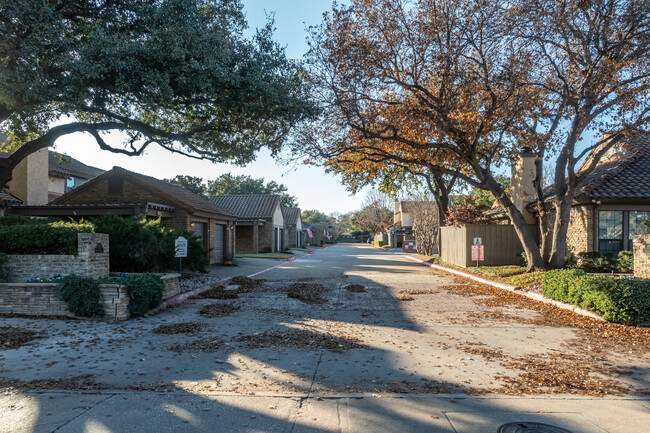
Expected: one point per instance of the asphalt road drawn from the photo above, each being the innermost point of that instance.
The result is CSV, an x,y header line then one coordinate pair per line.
x,y
386,345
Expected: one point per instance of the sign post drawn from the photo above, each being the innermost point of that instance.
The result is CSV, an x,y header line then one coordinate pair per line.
x,y
477,250
180,245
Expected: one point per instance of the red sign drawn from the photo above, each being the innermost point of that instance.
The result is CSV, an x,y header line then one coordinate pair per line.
x,y
477,252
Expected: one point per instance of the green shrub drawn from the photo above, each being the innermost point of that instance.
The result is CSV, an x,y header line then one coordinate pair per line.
x,y
523,259
196,260
133,248
35,238
400,244
5,272
616,299
14,220
625,261
145,292
82,295
593,262
378,243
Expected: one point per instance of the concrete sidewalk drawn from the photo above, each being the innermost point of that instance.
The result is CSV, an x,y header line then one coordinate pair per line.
x,y
179,412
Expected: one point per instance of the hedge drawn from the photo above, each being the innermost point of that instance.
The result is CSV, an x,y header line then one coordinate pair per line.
x,y
42,238
620,300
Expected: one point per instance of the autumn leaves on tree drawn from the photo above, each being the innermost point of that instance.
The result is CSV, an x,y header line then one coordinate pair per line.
x,y
457,88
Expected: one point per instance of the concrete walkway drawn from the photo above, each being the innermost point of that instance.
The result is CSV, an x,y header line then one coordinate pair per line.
x,y
400,355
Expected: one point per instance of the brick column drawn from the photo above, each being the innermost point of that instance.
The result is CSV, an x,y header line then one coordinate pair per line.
x,y
256,238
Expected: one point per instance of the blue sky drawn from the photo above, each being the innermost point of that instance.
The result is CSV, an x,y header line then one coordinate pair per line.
x,y
314,188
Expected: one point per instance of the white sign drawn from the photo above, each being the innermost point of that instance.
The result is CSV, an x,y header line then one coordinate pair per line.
x,y
181,247
478,241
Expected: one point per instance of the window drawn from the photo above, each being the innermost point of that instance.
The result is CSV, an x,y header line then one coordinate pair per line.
x,y
610,232
69,184
637,225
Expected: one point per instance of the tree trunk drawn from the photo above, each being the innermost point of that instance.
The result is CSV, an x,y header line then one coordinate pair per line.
x,y
560,230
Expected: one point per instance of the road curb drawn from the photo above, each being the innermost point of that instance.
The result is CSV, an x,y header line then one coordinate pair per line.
x,y
510,288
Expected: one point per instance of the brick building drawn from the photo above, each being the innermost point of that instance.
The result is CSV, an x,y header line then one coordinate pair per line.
x,y
610,205
260,221
294,233
127,193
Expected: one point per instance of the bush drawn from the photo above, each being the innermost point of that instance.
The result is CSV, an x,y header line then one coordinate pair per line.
x,y
625,261
14,220
132,247
196,260
593,262
42,238
82,295
616,299
145,292
5,272
523,259
378,243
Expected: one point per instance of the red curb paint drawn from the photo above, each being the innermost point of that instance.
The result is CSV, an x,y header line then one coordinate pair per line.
x,y
532,295
291,259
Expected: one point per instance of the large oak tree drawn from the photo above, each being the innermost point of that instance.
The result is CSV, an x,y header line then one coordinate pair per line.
x,y
459,87
176,73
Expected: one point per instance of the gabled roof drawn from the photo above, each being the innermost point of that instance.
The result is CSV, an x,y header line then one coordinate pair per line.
x,y
248,206
170,191
61,165
624,176
291,215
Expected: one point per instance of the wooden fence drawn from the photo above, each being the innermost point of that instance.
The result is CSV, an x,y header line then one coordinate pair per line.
x,y
501,246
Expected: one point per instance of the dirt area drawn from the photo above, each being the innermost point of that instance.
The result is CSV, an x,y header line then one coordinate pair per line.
x,y
180,328
302,340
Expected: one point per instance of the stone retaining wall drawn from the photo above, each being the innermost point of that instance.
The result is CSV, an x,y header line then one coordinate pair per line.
x,y
91,260
642,256
39,299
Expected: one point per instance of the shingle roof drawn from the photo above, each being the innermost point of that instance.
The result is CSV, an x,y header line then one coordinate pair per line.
x,y
248,206
61,165
171,191
291,215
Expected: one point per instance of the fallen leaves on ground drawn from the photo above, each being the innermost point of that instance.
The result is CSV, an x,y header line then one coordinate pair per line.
x,y
404,298
217,293
247,284
13,338
418,292
404,387
301,339
207,344
218,310
356,288
83,382
180,328
308,293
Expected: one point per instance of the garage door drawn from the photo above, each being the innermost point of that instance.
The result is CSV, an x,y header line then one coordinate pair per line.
x,y
199,230
218,242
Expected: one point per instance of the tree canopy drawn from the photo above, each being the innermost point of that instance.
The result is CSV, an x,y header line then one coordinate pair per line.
x,y
229,184
458,88
314,216
176,73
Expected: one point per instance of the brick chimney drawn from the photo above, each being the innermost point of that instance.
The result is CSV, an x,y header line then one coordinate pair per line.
x,y
522,189
29,178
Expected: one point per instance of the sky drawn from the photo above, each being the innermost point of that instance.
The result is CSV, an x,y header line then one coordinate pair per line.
x,y
311,185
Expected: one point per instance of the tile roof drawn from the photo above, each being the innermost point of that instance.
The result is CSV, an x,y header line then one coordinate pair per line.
x,y
6,197
61,165
291,215
173,192
248,206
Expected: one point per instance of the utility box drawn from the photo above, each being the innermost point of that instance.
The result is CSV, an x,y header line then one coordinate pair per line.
x,y
409,246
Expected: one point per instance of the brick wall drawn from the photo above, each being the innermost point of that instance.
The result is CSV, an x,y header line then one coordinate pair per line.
x,y
244,239
266,237
642,256
581,230
91,260
36,299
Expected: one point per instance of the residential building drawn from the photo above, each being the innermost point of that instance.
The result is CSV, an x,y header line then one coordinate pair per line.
x,y
127,193
294,233
260,221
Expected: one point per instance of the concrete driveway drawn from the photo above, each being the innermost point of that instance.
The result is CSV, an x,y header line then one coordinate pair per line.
x,y
382,345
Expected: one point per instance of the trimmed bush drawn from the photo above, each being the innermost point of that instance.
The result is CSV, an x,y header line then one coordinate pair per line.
x,y
593,262
196,260
37,238
145,292
616,299
5,272
14,220
132,247
625,261
82,295
378,243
